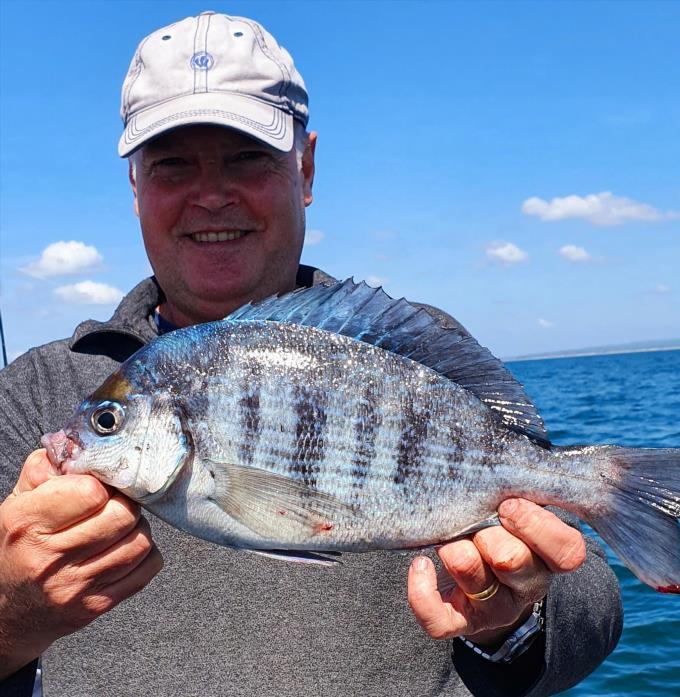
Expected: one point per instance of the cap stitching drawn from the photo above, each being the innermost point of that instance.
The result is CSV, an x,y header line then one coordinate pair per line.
x,y
205,48
193,53
242,95
278,133
272,128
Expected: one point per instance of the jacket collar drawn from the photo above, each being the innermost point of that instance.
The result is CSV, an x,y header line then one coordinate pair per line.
x,y
131,326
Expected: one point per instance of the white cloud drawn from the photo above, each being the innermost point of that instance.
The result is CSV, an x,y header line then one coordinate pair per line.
x,y
573,253
89,293
600,209
313,237
61,258
506,252
375,281
662,289
545,323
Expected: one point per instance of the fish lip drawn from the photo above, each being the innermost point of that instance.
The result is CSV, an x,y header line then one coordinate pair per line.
x,y
62,449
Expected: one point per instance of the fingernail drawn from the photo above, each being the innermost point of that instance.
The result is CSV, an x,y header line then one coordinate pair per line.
x,y
508,507
420,564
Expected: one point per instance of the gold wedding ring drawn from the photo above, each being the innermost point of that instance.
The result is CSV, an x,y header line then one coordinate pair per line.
x,y
485,594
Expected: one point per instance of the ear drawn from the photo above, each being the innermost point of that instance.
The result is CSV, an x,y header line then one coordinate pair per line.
x,y
133,184
308,168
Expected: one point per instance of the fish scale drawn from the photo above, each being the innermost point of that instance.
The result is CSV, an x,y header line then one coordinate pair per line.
x,y
301,425
388,475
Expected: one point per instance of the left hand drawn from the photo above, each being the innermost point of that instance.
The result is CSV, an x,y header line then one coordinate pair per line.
x,y
522,555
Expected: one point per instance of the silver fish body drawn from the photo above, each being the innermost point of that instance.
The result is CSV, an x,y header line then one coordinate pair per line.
x,y
266,435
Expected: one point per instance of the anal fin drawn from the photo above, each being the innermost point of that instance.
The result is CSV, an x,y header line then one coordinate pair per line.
x,y
490,522
297,556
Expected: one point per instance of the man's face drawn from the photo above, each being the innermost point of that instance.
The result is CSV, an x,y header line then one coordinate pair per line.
x,y
223,218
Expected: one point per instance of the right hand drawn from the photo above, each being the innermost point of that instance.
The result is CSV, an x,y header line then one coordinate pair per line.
x,y
70,550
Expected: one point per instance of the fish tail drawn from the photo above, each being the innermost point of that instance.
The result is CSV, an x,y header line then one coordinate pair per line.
x,y
641,518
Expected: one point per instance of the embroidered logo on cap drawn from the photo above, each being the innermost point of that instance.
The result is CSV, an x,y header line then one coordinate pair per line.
x,y
202,61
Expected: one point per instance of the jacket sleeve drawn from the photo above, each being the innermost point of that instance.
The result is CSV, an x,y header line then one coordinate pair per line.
x,y
20,418
20,430
583,623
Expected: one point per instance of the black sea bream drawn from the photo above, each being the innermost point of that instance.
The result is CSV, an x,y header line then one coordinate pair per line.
x,y
338,419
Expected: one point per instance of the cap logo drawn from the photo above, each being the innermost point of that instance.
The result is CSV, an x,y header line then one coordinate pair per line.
x,y
202,61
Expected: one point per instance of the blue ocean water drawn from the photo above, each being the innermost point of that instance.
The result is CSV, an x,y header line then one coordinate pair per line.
x,y
628,399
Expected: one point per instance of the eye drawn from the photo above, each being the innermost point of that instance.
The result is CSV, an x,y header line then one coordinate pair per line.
x,y
170,162
107,418
251,155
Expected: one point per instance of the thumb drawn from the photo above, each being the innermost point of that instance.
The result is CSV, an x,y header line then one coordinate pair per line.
x,y
36,470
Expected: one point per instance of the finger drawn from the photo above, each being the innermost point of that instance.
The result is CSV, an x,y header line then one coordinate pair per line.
x,y
560,546
119,559
466,565
446,584
103,600
36,470
88,537
62,501
439,619
513,563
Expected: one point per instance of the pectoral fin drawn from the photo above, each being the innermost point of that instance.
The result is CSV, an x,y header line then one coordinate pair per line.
x,y
275,506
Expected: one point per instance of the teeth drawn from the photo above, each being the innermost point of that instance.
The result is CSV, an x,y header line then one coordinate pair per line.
x,y
217,236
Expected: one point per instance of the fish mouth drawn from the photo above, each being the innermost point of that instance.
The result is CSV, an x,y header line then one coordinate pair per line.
x,y
62,449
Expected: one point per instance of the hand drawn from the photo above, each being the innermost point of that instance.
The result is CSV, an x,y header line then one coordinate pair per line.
x,y
522,555
70,550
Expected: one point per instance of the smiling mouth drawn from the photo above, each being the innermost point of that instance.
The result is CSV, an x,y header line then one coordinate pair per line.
x,y
223,236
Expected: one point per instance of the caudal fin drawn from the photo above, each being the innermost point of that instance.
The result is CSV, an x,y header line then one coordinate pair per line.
x,y
642,524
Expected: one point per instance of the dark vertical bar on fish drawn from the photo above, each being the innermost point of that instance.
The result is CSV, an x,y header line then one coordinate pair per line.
x,y
455,453
251,422
368,421
309,434
411,449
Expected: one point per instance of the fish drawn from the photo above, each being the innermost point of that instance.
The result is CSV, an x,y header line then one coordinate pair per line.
x,y
337,419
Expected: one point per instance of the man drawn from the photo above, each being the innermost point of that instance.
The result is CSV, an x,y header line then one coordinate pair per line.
x,y
222,169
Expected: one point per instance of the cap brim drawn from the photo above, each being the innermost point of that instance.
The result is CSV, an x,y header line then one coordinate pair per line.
x,y
262,121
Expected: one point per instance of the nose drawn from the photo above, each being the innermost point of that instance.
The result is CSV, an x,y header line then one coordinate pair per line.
x,y
213,189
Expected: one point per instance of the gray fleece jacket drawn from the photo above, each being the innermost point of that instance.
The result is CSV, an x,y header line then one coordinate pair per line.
x,y
217,621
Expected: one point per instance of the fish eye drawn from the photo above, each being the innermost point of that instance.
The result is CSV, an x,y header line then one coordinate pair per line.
x,y
107,418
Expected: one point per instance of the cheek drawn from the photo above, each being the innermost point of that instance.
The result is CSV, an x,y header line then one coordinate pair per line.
x,y
286,210
158,211
111,460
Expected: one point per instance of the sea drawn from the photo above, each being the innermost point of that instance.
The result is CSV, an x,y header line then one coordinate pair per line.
x,y
630,399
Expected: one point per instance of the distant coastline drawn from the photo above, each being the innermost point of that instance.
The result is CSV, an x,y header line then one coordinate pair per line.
x,y
637,347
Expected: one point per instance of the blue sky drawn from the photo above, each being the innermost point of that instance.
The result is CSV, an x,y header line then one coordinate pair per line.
x,y
516,164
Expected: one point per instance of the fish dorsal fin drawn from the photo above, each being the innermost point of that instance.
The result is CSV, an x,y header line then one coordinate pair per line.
x,y
368,314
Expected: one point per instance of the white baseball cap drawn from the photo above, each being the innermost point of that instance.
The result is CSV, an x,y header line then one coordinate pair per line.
x,y
212,69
